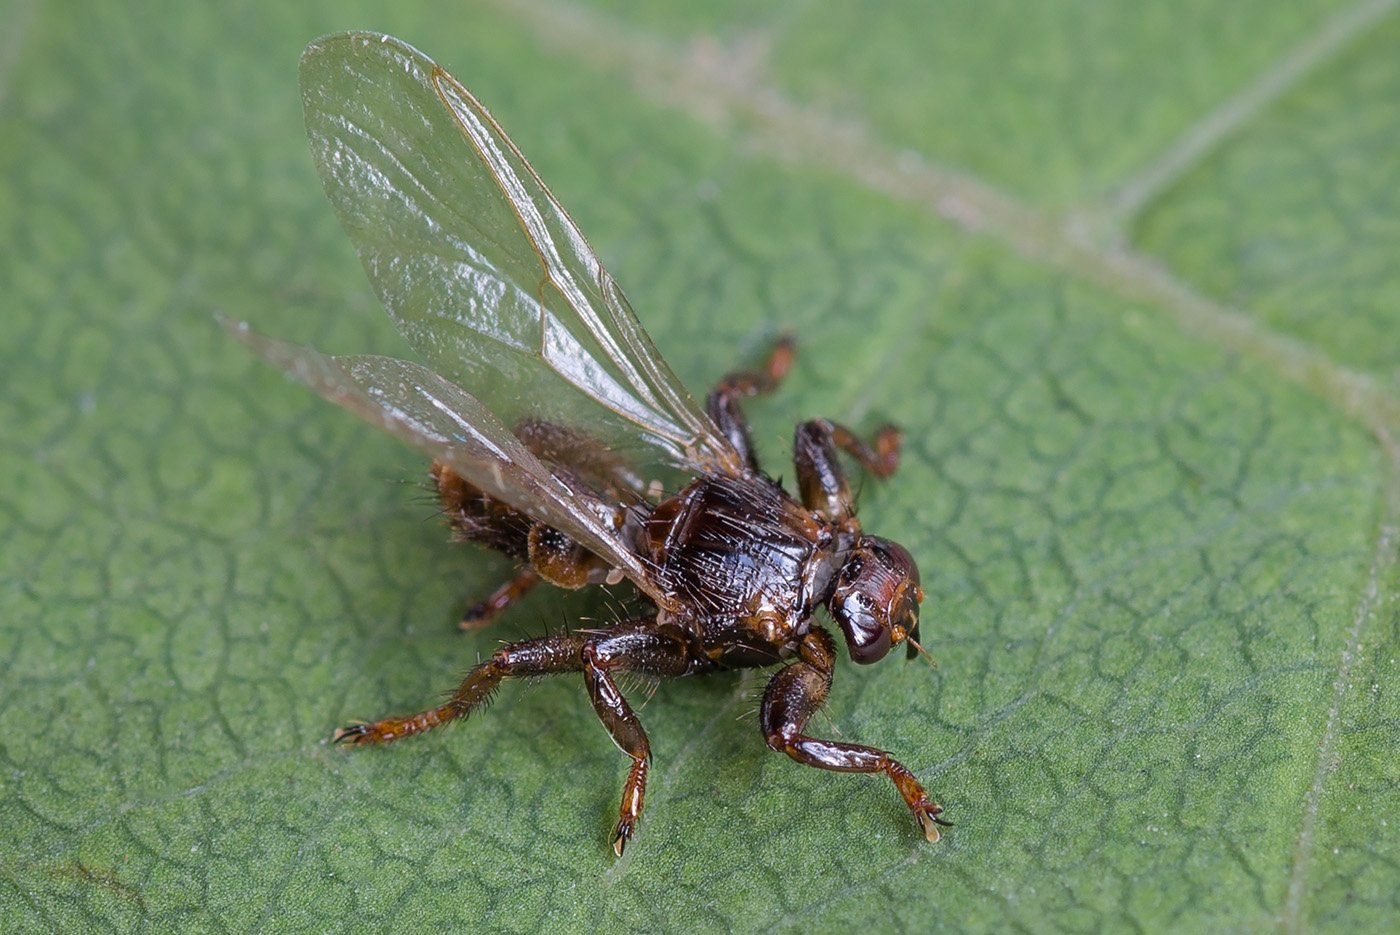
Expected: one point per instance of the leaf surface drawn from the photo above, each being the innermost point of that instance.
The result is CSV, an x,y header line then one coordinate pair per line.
x,y
1150,475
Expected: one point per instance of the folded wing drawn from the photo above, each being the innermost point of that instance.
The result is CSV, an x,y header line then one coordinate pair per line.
x,y
421,408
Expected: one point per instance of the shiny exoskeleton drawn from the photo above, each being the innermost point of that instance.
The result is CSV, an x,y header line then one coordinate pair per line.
x,y
555,429
744,568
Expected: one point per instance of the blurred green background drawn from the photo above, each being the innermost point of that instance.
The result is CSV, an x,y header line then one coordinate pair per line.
x,y
1124,273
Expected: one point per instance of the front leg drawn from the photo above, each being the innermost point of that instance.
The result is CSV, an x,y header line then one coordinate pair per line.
x,y
819,475
795,694
723,402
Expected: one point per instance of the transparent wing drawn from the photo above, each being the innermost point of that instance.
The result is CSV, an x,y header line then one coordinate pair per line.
x,y
420,407
479,266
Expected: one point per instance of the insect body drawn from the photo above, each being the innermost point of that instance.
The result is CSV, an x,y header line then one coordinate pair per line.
x,y
556,431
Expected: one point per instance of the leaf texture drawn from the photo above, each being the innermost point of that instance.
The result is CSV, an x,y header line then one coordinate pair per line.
x,y
1124,278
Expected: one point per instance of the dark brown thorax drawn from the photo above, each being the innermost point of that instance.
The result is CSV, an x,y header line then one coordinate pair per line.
x,y
740,551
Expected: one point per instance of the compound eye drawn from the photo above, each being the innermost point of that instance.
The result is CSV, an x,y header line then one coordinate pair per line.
x,y
867,635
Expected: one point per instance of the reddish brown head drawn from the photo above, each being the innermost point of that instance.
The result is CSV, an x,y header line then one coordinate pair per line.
x,y
876,599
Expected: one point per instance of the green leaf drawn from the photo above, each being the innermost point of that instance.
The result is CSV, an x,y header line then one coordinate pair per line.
x,y
1124,277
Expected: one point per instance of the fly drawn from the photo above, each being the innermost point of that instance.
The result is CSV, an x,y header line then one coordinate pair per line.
x,y
556,429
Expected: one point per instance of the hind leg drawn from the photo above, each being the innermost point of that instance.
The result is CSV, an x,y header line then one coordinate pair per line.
x,y
638,646
483,613
544,656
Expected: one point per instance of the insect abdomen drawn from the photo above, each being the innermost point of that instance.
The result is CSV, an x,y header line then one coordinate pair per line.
x,y
475,517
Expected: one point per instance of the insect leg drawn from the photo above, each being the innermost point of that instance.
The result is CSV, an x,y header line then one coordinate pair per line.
x,y
723,402
794,695
819,475
543,656
548,554
639,649
484,612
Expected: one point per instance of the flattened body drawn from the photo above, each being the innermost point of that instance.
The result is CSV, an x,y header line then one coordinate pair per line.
x,y
750,562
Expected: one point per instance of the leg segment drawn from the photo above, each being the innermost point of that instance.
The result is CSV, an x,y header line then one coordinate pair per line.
x,y
723,402
658,652
543,656
639,646
795,694
485,612
819,475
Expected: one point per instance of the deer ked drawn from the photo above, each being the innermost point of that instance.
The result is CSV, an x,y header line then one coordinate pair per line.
x,y
556,431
